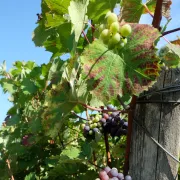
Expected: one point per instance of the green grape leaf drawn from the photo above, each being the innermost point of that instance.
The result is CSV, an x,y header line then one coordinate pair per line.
x,y
61,41
131,72
35,125
30,176
28,86
54,20
8,85
71,152
41,34
131,10
57,10
13,120
86,150
170,55
68,168
77,13
97,9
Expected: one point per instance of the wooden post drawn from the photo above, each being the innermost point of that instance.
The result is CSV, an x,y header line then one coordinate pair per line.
x,y
162,120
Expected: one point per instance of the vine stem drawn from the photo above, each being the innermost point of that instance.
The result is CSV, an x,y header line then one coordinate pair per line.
x,y
93,30
128,143
108,154
9,167
85,36
87,113
102,110
94,158
158,14
170,31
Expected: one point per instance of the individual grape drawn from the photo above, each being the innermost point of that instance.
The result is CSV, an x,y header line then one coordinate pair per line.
x,y
116,38
105,35
107,14
94,125
82,126
91,126
90,132
112,17
120,176
119,132
96,130
114,178
114,28
102,173
96,119
106,177
125,30
121,122
98,124
97,179
101,27
86,128
90,122
107,169
99,115
105,116
125,125
103,120
113,173
120,45
109,119
127,177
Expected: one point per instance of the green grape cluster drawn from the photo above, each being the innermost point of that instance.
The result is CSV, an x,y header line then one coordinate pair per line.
x,y
112,34
93,125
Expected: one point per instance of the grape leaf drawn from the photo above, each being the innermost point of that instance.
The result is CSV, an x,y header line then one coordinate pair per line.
x,y
57,9
77,13
134,71
28,86
131,10
8,85
97,9
71,152
170,55
40,35
30,176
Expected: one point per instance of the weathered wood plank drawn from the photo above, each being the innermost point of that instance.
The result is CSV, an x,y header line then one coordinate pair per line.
x,y
147,161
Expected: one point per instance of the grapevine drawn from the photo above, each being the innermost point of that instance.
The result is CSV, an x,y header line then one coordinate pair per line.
x,y
72,119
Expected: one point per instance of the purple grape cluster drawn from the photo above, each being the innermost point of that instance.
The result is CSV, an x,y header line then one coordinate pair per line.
x,y
113,124
112,174
110,123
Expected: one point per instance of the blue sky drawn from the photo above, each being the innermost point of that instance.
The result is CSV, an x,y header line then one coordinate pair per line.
x,y
17,24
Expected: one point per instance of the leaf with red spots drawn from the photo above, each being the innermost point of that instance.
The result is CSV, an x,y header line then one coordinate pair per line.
x,y
131,10
132,70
